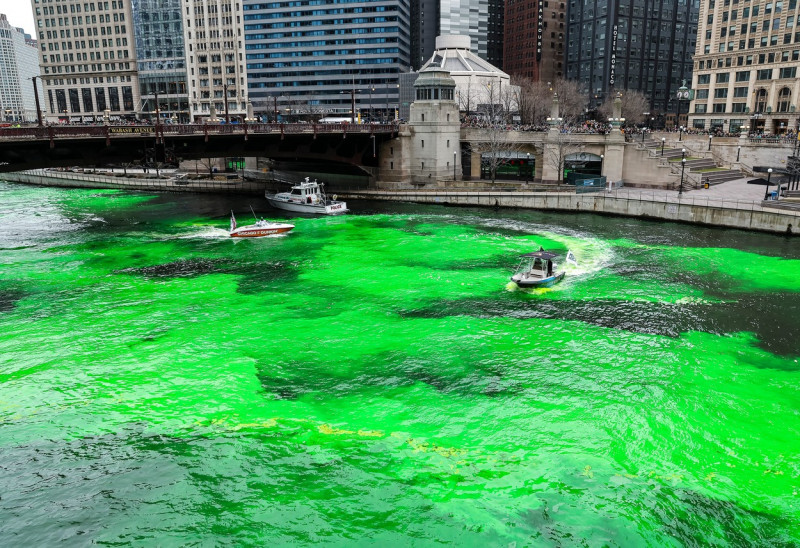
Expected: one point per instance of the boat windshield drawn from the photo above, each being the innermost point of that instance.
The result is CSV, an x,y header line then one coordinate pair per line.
x,y
295,191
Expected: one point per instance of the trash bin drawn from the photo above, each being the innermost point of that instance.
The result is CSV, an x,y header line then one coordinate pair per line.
x,y
773,195
705,185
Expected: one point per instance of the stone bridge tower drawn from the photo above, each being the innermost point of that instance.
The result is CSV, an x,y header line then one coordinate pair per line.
x,y
428,149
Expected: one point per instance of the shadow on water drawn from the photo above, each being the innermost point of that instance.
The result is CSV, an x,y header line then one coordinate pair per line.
x,y
735,313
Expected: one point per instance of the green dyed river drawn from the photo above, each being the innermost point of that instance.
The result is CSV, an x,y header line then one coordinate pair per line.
x,y
372,379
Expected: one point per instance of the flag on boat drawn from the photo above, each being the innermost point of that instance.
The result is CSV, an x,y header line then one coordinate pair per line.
x,y
233,221
571,258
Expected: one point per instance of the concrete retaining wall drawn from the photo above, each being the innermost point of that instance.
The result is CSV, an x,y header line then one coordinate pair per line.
x,y
742,215
68,179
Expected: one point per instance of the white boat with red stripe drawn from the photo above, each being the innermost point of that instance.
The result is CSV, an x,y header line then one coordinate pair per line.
x,y
261,228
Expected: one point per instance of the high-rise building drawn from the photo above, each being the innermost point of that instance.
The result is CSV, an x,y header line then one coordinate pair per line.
x,y
307,59
19,64
481,20
632,45
213,33
161,60
533,46
88,59
746,66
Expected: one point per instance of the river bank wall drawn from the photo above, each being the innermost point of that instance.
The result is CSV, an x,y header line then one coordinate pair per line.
x,y
744,215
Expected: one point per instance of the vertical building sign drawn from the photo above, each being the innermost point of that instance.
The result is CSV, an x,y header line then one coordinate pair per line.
x,y
612,70
539,30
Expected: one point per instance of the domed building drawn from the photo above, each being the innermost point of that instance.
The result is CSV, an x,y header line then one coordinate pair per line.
x,y
478,82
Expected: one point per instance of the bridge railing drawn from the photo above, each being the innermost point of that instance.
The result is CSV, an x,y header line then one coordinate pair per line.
x,y
113,131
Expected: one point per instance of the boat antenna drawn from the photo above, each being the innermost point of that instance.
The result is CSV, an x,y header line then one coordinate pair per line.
x,y
254,213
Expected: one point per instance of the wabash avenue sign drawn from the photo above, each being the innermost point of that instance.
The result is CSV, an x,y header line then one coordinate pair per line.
x,y
131,130
539,31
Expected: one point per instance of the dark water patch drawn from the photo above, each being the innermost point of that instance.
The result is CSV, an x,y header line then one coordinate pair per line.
x,y
736,313
9,298
184,268
462,375
262,277
694,519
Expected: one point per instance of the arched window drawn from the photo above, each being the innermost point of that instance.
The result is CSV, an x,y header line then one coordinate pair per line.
x,y
784,99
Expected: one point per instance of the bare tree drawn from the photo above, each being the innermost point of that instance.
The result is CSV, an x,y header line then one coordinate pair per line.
x,y
634,105
496,149
561,145
467,97
533,100
571,102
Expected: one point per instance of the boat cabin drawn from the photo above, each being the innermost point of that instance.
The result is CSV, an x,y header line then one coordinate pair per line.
x,y
538,264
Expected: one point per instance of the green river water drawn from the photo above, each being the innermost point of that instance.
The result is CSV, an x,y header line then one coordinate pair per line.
x,y
371,379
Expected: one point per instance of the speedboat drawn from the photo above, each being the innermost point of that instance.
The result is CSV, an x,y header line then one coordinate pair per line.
x,y
538,269
261,228
307,197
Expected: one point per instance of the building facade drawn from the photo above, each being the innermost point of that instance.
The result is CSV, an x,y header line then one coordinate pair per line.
x,y
307,60
533,44
639,45
161,59
481,20
19,64
88,59
214,40
745,74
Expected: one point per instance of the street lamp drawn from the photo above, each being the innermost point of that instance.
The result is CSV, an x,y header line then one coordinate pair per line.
x,y
601,164
454,165
709,141
663,140
738,152
680,135
528,168
769,176
683,167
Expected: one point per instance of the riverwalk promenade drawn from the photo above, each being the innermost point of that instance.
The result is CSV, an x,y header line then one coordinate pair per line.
x,y
733,204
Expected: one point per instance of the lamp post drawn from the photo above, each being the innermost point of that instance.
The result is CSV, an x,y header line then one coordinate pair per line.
x,y
738,152
769,176
371,89
683,167
602,156
275,109
709,141
225,97
36,96
680,134
528,168
663,140
454,165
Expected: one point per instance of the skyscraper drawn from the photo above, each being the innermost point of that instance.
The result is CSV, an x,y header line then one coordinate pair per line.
x,y
533,46
745,72
632,44
19,63
161,59
87,58
213,33
310,59
481,20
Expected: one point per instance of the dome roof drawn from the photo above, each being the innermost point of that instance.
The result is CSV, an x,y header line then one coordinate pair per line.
x,y
453,54
434,76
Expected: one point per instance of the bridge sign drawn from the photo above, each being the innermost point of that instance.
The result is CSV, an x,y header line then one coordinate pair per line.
x,y
131,130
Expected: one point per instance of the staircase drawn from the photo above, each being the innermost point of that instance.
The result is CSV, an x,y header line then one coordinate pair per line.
x,y
698,171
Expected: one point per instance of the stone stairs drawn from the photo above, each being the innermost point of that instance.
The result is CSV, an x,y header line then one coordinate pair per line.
x,y
698,170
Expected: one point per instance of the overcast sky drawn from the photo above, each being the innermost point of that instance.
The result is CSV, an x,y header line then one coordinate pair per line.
x,y
19,14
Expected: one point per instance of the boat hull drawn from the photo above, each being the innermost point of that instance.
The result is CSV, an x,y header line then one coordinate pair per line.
x,y
331,208
260,231
525,282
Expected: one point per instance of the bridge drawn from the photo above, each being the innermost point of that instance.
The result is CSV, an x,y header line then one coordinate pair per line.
x,y
25,148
